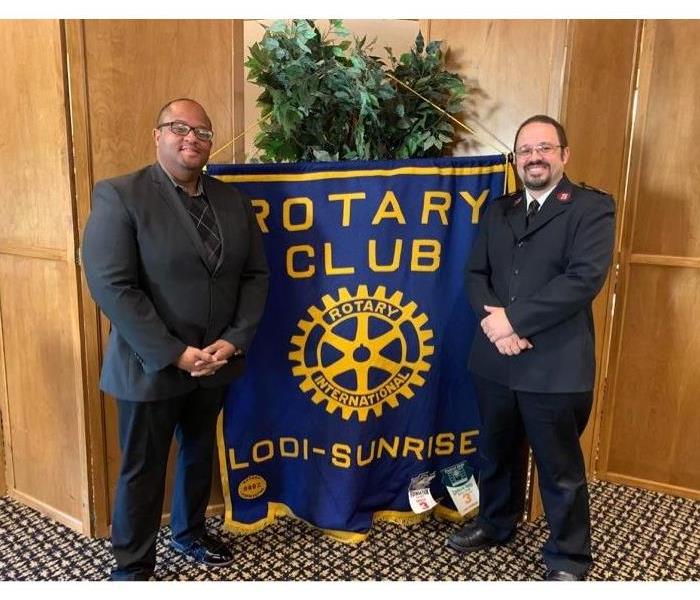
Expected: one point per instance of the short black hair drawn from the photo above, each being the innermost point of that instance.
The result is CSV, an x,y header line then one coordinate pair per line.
x,y
561,134
166,107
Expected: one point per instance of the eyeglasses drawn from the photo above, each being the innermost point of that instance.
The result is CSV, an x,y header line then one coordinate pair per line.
x,y
182,129
541,149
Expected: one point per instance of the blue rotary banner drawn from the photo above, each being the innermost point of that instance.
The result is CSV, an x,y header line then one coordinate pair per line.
x,y
356,381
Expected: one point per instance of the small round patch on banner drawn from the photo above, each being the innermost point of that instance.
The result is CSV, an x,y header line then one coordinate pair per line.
x,y
252,487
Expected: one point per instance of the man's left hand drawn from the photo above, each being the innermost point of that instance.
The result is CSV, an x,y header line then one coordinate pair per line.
x,y
221,350
496,325
513,345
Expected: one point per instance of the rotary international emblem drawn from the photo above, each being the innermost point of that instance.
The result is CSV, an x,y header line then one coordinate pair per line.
x,y
361,352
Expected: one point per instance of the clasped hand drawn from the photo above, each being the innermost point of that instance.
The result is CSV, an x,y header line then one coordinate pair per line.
x,y
498,329
206,361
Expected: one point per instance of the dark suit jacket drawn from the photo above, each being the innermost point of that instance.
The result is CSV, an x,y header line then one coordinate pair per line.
x,y
546,277
145,267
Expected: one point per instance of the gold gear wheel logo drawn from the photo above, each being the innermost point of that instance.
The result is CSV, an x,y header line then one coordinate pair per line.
x,y
360,352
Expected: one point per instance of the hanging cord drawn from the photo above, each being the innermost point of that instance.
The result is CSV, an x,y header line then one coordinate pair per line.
x,y
509,183
240,135
457,122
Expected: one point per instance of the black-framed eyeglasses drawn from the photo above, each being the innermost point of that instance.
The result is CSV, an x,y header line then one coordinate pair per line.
x,y
182,129
541,149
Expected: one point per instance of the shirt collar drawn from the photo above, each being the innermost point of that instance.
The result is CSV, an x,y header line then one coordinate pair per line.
x,y
200,187
541,200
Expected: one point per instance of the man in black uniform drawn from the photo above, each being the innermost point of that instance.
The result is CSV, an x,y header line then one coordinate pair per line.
x,y
539,260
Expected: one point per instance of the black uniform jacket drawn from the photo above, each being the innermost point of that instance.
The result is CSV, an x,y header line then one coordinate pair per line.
x,y
145,267
546,277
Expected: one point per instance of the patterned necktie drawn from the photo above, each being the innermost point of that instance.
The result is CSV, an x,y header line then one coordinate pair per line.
x,y
205,222
531,212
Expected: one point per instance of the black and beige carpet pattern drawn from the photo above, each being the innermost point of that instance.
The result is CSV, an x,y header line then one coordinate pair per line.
x,y
637,536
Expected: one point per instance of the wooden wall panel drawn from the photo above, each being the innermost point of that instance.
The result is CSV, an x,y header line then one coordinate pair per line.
x,y
38,347
516,69
668,213
35,207
89,316
656,413
134,67
601,66
131,69
598,101
649,430
41,374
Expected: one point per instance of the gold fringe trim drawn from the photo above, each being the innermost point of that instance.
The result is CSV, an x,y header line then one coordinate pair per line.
x,y
511,184
451,515
276,510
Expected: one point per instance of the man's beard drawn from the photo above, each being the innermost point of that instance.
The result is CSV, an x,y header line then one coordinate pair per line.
x,y
541,181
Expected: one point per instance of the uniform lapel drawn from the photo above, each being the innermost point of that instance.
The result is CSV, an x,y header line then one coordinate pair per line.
x,y
169,194
515,213
558,201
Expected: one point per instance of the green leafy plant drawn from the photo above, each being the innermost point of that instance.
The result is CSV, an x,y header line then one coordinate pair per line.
x,y
329,98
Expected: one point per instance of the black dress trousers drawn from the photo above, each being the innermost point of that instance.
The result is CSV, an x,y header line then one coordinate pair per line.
x,y
552,424
145,433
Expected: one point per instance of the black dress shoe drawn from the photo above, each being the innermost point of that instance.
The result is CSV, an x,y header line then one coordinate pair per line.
x,y
553,575
205,550
470,538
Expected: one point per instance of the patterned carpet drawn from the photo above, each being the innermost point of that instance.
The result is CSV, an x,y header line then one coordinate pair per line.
x,y
637,536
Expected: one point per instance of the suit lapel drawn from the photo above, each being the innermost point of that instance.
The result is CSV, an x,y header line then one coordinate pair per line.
x,y
169,194
557,202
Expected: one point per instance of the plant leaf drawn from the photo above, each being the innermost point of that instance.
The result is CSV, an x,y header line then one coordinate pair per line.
x,y
331,101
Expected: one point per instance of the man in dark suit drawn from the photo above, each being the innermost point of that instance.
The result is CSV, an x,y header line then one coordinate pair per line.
x,y
539,260
175,259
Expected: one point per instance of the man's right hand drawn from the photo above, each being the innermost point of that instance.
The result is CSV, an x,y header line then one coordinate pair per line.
x,y
198,362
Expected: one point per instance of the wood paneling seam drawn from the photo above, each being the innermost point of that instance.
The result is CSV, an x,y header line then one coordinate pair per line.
x,y
7,433
55,254
691,262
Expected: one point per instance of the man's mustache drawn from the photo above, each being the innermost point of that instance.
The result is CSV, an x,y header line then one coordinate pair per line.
x,y
536,163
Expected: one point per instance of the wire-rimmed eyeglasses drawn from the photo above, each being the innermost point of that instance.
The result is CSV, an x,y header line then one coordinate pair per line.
x,y
541,149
